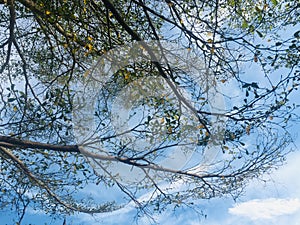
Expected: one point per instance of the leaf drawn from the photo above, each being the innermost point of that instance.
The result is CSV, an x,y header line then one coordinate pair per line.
x,y
259,34
255,59
297,34
200,126
257,9
274,2
244,24
247,93
248,128
11,99
254,85
225,147
246,85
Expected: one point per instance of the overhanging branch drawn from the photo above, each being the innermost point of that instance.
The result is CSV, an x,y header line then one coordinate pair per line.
x,y
17,143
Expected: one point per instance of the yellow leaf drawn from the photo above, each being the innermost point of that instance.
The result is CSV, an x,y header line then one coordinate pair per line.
x,y
248,128
48,12
86,73
110,14
223,81
206,134
15,108
225,147
162,120
209,34
90,38
271,117
89,47
200,126
210,41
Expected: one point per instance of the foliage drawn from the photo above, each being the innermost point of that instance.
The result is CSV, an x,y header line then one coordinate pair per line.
x,y
48,46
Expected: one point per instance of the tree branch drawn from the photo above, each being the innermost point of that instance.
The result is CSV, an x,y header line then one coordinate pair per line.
x,y
14,142
41,184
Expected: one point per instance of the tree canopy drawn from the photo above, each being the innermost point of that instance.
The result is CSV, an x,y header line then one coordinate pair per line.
x,y
208,82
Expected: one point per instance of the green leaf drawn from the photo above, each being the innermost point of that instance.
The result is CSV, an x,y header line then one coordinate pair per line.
x,y
257,9
244,24
274,2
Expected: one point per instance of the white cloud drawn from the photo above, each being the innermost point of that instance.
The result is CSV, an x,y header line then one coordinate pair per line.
x,y
266,208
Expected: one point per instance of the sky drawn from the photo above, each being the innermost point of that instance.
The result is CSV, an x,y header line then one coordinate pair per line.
x,y
273,199
276,200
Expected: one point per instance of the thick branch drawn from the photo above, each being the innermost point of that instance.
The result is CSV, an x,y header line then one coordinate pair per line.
x,y
41,184
14,142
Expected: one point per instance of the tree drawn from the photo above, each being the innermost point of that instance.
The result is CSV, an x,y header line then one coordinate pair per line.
x,y
51,54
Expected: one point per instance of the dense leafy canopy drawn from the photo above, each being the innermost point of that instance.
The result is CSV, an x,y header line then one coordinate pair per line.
x,y
48,46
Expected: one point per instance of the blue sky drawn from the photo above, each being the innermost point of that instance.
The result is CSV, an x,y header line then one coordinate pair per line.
x,y
276,201
273,201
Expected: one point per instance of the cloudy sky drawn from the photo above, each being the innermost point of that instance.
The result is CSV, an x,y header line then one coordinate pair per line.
x,y
273,200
